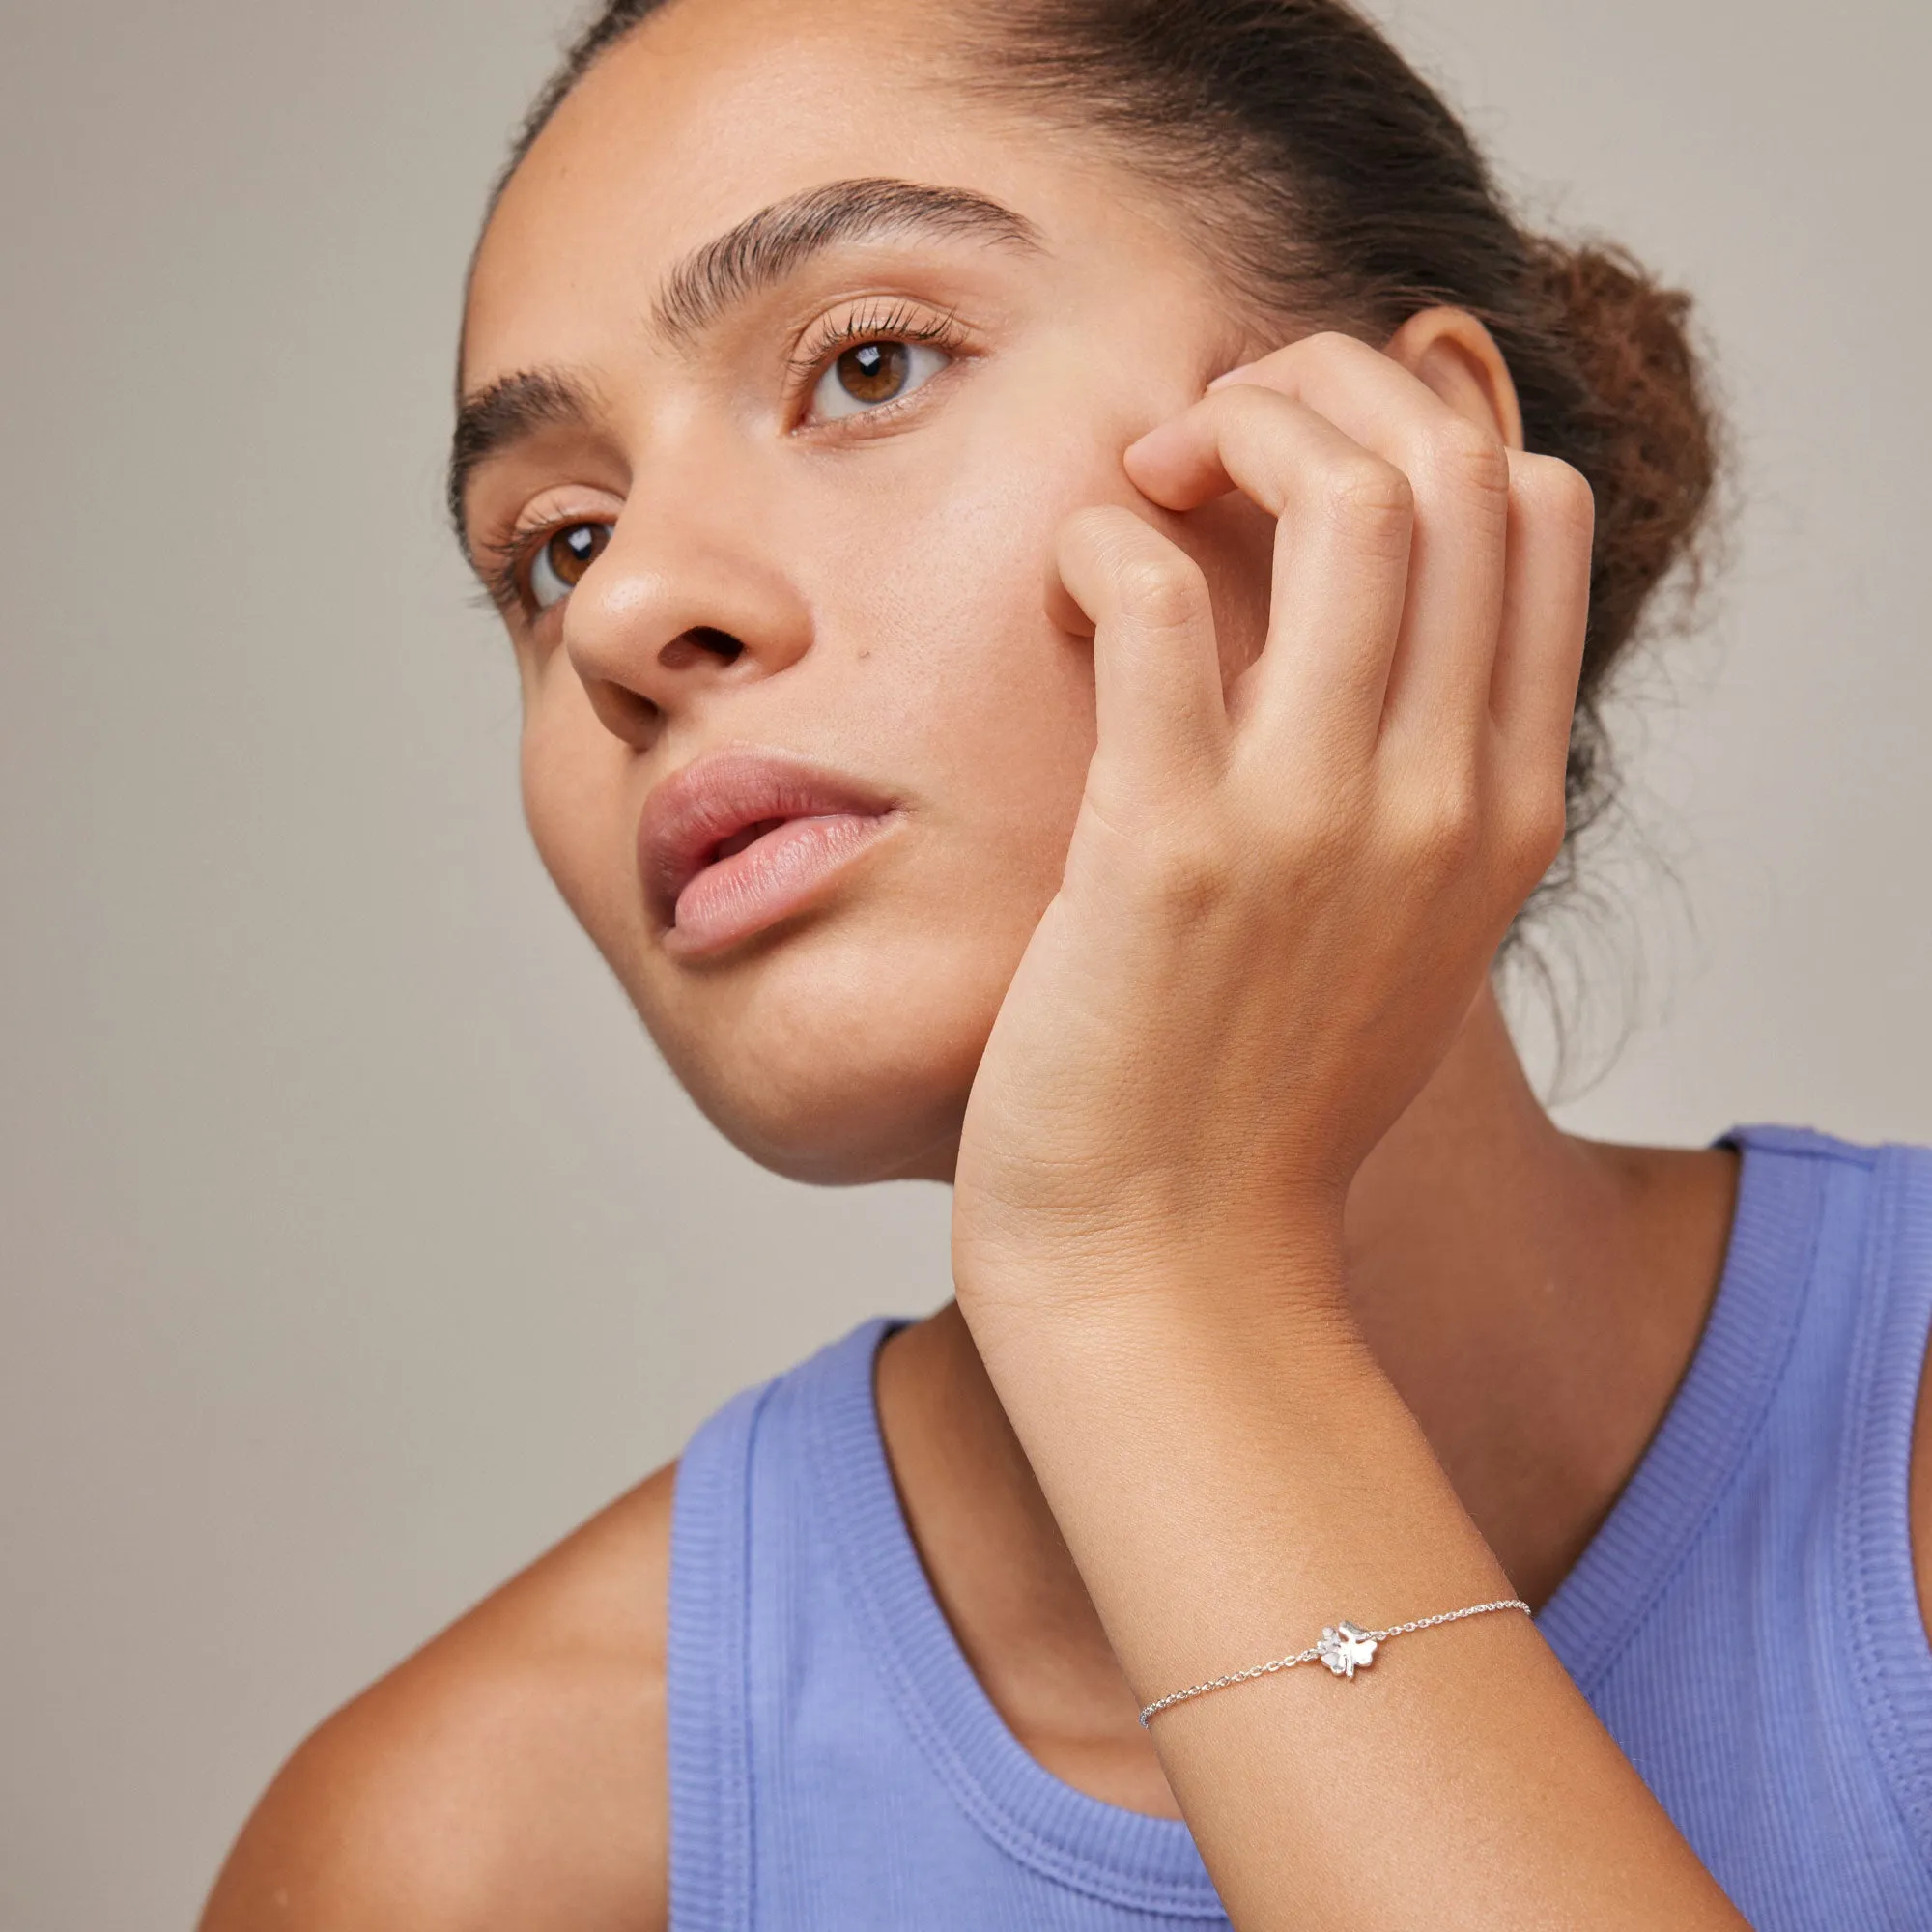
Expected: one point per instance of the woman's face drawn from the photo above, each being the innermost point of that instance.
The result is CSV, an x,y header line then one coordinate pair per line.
x,y
800,494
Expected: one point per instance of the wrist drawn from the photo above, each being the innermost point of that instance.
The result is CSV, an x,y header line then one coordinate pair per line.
x,y
1178,1347
1283,1267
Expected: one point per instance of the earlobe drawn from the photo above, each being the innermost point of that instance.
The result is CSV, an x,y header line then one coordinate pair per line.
x,y
1450,350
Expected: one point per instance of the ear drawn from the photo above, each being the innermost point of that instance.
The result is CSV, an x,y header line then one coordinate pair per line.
x,y
1458,357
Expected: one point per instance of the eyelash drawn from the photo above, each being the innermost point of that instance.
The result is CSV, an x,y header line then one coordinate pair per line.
x,y
503,579
901,322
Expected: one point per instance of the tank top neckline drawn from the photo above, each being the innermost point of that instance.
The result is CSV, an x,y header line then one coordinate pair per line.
x,y
1150,1863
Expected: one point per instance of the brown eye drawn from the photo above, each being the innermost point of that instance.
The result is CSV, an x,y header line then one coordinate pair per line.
x,y
563,559
873,372
870,373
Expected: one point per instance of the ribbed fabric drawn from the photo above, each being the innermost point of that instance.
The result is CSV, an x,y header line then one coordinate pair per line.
x,y
1746,1623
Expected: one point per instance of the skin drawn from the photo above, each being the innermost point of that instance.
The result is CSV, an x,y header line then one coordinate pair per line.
x,y
1059,646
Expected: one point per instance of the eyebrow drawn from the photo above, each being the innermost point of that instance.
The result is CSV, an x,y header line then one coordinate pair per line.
x,y
767,247
508,412
760,253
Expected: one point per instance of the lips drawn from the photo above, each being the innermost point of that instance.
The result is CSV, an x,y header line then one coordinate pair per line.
x,y
730,813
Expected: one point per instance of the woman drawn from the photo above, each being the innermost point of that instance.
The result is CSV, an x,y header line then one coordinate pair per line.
x,y
1059,559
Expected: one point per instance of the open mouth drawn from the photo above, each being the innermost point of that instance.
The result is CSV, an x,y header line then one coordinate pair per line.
x,y
739,839
762,873
744,834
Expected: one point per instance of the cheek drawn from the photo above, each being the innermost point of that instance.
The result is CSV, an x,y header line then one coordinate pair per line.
x,y
1004,697
954,605
579,809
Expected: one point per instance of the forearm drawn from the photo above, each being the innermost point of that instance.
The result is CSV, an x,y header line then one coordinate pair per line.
x,y
1231,1472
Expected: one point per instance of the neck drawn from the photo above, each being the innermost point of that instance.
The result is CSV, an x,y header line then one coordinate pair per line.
x,y
1533,1297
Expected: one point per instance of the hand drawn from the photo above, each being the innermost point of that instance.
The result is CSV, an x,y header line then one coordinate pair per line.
x,y
1280,900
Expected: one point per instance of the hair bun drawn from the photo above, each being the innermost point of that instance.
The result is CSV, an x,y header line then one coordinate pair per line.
x,y
1653,439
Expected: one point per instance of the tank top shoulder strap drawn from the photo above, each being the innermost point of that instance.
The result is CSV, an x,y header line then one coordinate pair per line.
x,y
1886,1625
709,1792
1747,1620
834,1765
741,1535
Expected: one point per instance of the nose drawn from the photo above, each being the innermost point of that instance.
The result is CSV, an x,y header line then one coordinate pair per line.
x,y
678,602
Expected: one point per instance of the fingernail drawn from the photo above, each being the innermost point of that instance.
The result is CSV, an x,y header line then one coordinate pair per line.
x,y
1233,376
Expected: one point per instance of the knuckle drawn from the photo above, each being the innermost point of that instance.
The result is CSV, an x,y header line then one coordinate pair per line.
x,y
1327,345
1539,825
1240,401
1326,824
1162,589
1367,489
1471,457
1446,825
1191,878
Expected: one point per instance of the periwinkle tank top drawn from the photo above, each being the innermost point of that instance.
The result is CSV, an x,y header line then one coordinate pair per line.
x,y
1746,1623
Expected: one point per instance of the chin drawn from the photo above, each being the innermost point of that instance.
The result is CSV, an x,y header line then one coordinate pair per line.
x,y
834,1055
850,1135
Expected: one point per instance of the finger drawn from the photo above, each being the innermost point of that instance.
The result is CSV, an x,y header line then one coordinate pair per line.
x,y
1160,713
1545,607
1444,660
1539,659
1362,391
1459,469
1341,549
1251,438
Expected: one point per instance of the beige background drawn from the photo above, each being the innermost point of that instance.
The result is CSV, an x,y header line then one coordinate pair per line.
x,y
352,1243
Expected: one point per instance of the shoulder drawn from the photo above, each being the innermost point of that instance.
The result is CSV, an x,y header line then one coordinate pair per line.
x,y
511,1774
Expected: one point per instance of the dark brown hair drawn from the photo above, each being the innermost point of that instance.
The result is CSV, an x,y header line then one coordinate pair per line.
x,y
1333,185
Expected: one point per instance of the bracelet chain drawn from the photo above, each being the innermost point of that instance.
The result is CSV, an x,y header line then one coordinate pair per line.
x,y
1345,1648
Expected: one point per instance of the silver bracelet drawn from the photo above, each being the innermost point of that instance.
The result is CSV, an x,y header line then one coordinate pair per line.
x,y
1344,1647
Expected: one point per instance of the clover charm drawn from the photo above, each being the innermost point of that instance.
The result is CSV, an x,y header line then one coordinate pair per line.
x,y
1346,1648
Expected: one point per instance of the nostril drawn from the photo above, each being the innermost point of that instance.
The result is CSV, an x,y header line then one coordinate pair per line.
x,y
701,639
625,713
